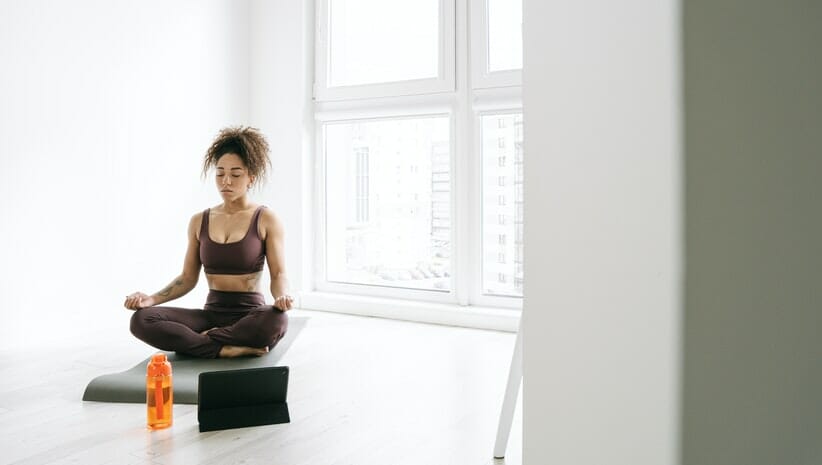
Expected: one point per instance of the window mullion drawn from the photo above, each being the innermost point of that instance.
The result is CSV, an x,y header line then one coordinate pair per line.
x,y
463,180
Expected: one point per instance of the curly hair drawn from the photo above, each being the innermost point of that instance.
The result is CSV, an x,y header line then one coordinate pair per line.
x,y
247,143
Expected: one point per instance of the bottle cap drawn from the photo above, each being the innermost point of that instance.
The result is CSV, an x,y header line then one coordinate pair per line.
x,y
159,365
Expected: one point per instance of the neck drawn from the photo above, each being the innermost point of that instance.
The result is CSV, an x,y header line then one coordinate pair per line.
x,y
237,205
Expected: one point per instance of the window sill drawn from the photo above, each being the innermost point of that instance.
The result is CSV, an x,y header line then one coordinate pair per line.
x,y
498,319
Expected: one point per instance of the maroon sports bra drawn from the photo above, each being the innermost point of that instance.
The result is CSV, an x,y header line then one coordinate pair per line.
x,y
242,257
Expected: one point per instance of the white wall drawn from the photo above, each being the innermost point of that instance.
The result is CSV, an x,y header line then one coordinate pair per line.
x,y
603,217
281,54
107,109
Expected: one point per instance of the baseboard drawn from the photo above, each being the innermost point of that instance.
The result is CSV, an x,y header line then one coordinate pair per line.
x,y
498,319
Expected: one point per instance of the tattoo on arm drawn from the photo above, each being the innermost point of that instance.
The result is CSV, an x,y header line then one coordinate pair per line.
x,y
167,291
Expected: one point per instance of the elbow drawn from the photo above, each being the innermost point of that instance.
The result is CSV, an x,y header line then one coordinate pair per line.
x,y
190,280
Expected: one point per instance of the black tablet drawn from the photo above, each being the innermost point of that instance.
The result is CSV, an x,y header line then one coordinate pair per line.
x,y
240,398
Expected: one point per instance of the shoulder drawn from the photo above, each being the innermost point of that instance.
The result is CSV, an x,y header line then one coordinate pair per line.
x,y
269,222
267,214
195,223
197,217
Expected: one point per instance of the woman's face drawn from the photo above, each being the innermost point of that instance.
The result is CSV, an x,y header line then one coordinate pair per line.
x,y
232,177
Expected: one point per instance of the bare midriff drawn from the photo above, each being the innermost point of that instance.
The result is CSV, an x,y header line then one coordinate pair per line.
x,y
234,282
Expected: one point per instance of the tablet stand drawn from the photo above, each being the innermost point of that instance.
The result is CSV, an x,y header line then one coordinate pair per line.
x,y
509,403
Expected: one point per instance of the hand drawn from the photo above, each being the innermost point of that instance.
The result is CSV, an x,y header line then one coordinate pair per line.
x,y
283,302
138,300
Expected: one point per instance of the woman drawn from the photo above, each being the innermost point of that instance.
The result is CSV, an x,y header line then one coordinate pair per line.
x,y
230,241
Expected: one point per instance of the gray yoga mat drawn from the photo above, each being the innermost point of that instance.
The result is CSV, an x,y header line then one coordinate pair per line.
x,y
130,385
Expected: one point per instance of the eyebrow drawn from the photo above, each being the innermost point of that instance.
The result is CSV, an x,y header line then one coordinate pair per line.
x,y
234,168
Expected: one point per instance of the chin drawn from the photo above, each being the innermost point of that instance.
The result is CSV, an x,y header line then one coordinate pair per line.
x,y
231,196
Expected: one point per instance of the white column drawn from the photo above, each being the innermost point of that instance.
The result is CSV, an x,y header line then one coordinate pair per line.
x,y
603,213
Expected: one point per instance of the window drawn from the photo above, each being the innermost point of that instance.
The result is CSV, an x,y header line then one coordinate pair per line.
x,y
374,48
406,241
504,40
496,40
377,41
420,180
502,200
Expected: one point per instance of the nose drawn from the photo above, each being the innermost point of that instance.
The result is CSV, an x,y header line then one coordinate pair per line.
x,y
226,180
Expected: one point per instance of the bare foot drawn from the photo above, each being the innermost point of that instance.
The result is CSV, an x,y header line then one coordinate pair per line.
x,y
242,351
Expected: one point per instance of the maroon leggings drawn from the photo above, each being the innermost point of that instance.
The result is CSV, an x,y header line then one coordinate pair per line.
x,y
240,319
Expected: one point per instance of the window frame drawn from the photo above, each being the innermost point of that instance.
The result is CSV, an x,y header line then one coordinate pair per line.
x,y
481,77
444,82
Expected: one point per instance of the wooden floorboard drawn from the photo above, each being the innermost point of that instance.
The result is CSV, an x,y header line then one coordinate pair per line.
x,y
362,391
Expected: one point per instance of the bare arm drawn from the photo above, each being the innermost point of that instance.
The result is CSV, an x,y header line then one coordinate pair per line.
x,y
182,284
275,256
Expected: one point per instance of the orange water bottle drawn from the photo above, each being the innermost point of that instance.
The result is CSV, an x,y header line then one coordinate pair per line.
x,y
159,392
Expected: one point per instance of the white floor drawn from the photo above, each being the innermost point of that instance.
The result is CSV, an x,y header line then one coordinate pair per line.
x,y
362,391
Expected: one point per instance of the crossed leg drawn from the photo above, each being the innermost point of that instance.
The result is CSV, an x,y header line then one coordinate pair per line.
x,y
210,334
255,333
